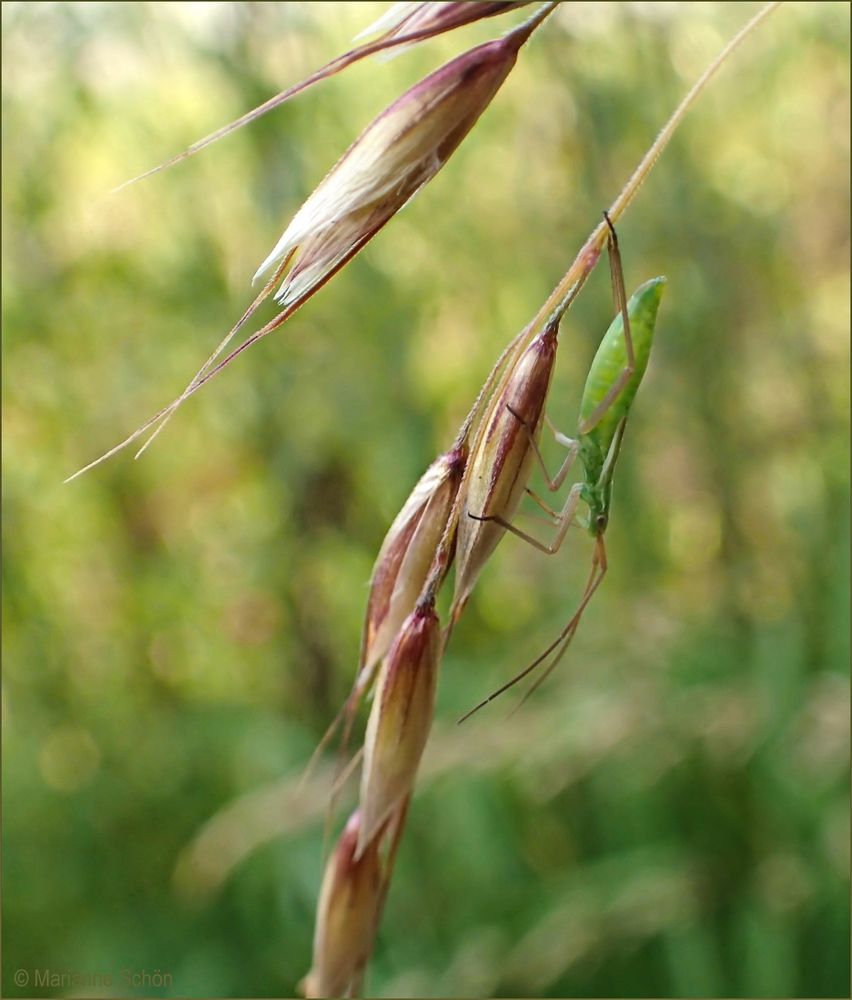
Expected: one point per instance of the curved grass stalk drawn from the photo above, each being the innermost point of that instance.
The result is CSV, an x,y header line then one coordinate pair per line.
x,y
569,286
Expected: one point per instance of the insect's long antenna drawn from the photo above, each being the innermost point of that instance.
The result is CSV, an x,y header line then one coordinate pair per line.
x,y
536,684
598,562
524,673
599,567
511,683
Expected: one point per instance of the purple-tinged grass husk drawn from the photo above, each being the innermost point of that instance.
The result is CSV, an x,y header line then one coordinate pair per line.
x,y
392,159
400,720
406,556
407,19
499,467
400,28
350,900
403,148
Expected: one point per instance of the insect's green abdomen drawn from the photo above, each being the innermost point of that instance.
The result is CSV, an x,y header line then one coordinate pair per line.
x,y
611,360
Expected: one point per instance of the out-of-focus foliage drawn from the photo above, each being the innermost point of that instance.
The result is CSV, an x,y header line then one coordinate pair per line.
x,y
669,815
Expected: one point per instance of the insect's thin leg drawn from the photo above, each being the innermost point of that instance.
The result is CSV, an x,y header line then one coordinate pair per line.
x,y
620,299
565,517
552,515
554,483
560,438
612,454
598,571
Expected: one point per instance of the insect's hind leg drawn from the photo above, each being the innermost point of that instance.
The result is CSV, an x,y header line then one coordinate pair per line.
x,y
619,297
552,515
562,519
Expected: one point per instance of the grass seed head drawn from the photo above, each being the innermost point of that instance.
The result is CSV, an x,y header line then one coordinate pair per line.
x,y
436,18
400,720
406,556
392,159
500,464
347,914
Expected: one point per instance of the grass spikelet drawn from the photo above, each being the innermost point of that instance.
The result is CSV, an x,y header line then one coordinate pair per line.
x,y
402,26
500,464
347,913
400,720
406,557
399,152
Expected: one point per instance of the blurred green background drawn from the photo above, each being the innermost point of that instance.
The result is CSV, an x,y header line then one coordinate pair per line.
x,y
669,816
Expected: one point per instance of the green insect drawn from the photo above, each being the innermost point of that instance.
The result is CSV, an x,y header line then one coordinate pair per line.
x,y
611,386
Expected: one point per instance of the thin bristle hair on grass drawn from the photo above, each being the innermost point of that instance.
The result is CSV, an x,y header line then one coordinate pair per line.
x,y
404,25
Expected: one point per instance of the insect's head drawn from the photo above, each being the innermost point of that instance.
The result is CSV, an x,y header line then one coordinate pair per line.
x,y
597,520
598,503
